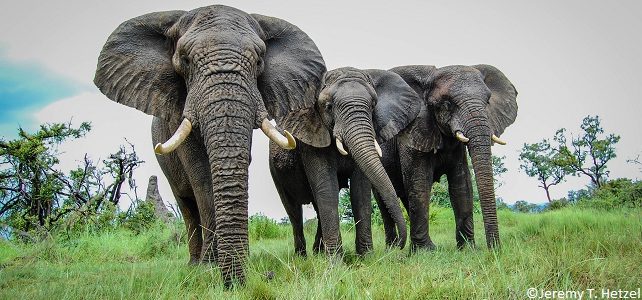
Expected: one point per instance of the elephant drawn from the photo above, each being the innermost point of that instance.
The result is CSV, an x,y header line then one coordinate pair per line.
x,y
210,76
463,108
352,105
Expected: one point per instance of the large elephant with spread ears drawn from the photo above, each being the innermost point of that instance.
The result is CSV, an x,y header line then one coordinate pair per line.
x,y
210,76
463,108
355,108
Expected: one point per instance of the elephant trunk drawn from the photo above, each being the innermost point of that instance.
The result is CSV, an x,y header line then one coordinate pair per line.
x,y
477,130
226,121
360,139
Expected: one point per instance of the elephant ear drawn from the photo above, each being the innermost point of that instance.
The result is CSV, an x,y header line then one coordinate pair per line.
x,y
293,68
422,134
397,104
135,66
502,107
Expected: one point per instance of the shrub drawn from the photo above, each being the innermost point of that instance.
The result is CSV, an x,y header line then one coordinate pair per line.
x,y
557,204
141,218
618,193
262,227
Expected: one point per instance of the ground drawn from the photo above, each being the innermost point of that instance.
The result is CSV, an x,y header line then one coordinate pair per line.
x,y
564,250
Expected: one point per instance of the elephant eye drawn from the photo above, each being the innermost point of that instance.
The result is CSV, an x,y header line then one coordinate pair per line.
x,y
185,60
260,65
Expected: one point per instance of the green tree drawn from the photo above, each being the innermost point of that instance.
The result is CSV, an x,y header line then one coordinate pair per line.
x,y
30,187
589,152
35,195
524,207
540,160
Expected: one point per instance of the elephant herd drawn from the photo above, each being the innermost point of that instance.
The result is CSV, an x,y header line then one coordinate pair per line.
x,y
211,75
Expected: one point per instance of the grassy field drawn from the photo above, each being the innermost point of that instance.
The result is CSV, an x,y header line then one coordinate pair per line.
x,y
569,249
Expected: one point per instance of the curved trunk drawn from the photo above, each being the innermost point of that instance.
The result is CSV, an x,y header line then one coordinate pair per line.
x,y
479,133
360,139
226,124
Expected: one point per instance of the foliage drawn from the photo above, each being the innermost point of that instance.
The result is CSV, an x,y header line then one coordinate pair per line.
x,y
614,194
566,249
345,208
540,160
500,204
589,152
262,227
524,207
30,187
557,204
36,197
499,169
140,217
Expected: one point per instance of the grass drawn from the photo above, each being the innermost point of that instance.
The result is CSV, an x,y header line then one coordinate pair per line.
x,y
568,249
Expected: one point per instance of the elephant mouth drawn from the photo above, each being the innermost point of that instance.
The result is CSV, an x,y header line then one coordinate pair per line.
x,y
285,140
342,150
462,138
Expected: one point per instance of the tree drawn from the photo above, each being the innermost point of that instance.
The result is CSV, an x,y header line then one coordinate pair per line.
x,y
524,207
29,185
540,160
588,153
36,195
499,169
635,161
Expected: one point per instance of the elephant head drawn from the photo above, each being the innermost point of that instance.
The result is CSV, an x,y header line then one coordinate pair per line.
x,y
357,108
223,72
471,104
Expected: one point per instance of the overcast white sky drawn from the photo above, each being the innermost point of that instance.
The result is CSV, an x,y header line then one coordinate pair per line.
x,y
567,59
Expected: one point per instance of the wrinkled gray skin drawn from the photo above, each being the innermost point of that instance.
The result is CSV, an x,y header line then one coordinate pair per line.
x,y
225,71
478,101
352,105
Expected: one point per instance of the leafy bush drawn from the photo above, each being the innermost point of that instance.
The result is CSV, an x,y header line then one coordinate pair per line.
x,y
618,193
557,204
141,218
262,227
524,207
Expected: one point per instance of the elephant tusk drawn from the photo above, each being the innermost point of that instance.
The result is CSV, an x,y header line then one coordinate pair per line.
x,y
497,140
340,147
286,142
176,140
461,137
378,148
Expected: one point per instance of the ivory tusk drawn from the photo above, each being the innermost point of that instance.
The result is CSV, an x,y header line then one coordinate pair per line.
x,y
176,140
286,142
340,147
497,140
461,137
378,148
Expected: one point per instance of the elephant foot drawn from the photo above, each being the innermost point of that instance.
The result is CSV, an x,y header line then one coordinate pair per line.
x,y
392,240
425,246
301,252
363,251
193,261
461,245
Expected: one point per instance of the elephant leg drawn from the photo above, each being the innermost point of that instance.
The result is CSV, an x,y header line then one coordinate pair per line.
x,y
189,210
360,199
389,227
295,213
288,174
461,198
417,170
322,176
318,246
181,184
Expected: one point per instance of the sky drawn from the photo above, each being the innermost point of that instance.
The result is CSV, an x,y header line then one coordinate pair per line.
x,y
567,60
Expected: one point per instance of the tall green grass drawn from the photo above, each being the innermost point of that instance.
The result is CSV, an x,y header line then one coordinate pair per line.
x,y
567,249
